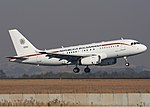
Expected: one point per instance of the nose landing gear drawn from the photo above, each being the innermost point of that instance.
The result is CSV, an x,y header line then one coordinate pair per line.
x,y
127,64
126,61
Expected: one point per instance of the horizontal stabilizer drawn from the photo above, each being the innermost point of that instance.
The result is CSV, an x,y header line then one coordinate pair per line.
x,y
13,57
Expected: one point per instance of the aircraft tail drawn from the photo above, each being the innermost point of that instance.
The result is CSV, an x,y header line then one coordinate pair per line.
x,y
21,44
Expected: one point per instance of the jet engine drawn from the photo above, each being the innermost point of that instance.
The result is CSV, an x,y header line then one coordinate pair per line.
x,y
91,60
105,62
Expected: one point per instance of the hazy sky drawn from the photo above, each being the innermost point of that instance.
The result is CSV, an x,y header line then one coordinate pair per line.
x,y
55,23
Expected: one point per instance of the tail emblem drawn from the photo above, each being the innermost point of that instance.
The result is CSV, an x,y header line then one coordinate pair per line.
x,y
22,41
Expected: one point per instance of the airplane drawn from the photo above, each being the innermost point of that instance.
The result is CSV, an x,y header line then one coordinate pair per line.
x,y
98,54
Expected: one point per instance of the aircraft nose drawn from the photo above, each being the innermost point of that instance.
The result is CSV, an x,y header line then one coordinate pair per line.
x,y
143,48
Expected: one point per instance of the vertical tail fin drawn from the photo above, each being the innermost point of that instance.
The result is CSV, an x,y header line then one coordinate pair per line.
x,y
21,44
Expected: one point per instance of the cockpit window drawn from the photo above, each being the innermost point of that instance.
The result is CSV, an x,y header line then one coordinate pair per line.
x,y
134,43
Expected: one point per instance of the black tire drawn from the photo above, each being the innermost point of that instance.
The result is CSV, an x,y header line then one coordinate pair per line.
x,y
76,70
127,64
87,70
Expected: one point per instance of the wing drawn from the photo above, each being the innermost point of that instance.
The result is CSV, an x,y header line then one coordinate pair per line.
x,y
69,58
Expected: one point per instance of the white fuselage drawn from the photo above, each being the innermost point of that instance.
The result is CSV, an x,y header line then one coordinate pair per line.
x,y
100,54
107,50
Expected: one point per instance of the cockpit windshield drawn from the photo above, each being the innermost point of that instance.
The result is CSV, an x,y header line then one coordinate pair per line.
x,y
134,43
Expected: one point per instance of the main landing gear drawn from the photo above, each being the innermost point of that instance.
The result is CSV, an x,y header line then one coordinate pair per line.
x,y
126,61
77,70
87,69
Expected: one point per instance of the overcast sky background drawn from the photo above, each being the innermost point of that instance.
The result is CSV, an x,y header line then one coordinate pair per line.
x,y
55,23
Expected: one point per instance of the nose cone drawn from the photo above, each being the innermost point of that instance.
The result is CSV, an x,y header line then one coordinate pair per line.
x,y
143,48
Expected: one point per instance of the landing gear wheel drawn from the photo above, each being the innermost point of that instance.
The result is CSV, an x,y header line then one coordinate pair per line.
x,y
126,61
76,70
87,70
127,64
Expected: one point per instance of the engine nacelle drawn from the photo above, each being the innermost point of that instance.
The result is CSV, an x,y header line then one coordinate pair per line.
x,y
105,62
91,60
